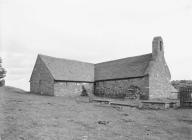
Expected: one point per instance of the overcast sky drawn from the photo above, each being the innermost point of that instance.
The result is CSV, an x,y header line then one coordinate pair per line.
x,y
93,31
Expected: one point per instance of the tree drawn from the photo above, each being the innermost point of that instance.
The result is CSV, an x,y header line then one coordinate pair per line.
x,y
181,83
2,74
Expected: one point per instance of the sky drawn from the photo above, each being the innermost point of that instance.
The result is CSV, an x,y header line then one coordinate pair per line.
x,y
93,31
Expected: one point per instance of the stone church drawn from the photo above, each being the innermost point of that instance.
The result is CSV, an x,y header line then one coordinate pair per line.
x,y
60,77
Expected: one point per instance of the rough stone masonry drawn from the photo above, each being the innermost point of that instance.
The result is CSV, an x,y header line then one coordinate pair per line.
x,y
148,72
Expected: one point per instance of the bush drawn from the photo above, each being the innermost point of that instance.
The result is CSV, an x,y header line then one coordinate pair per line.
x,y
134,92
121,95
181,83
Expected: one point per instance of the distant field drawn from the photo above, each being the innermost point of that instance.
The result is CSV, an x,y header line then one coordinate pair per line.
x,y
25,116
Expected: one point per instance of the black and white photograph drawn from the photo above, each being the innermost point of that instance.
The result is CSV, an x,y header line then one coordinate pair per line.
x,y
95,70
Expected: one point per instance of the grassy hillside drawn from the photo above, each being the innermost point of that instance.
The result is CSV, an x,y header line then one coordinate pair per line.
x,y
27,116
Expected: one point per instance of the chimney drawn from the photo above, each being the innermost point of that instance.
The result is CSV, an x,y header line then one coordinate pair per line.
x,y
158,49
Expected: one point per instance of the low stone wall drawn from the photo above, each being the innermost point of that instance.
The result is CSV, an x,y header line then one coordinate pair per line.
x,y
114,88
71,88
149,105
158,104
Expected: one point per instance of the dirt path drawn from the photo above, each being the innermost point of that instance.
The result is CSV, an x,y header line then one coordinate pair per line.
x,y
32,117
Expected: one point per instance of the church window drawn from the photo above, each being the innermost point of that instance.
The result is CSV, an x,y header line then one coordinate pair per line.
x,y
161,45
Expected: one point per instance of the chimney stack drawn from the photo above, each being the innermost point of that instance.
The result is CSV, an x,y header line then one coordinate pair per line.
x,y
158,49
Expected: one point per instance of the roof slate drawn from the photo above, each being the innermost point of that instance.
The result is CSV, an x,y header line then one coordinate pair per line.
x,y
69,70
123,68
72,70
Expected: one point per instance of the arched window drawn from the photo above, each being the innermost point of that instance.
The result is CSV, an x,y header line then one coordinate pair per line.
x,y
161,45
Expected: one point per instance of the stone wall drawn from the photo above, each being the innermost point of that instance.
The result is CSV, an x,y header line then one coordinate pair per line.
x,y
71,88
156,105
114,87
41,81
159,81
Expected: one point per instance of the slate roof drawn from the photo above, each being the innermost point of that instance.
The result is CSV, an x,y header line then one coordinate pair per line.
x,y
123,68
69,70
72,70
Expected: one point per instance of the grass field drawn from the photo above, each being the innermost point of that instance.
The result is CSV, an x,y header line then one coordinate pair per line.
x,y
25,116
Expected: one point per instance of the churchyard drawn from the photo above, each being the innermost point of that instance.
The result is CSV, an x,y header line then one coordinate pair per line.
x,y
25,116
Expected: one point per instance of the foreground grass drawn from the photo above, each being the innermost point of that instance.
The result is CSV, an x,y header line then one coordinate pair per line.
x,y
27,116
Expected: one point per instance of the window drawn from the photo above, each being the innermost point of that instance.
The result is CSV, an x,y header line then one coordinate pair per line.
x,y
161,45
